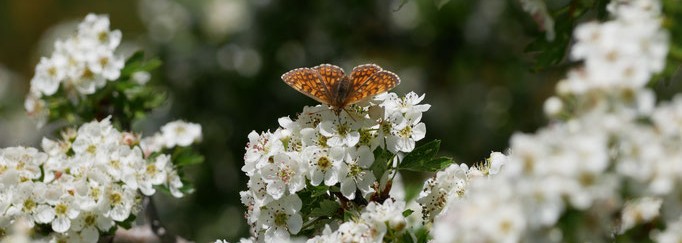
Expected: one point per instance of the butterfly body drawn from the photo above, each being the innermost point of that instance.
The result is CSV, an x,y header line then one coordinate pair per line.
x,y
329,85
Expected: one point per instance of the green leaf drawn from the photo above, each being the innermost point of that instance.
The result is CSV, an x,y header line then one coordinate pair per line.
x,y
186,156
421,159
406,238
128,223
137,63
327,209
422,235
381,160
407,212
438,164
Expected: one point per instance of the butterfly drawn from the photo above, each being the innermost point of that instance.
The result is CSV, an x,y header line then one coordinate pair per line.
x,y
329,85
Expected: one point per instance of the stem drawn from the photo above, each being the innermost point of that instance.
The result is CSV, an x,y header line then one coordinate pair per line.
x,y
309,223
152,219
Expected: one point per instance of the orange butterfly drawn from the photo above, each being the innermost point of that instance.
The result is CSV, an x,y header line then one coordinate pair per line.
x,y
329,85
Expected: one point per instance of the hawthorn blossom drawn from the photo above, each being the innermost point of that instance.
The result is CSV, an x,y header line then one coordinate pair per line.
x,y
82,185
180,133
282,217
320,149
358,176
83,63
283,174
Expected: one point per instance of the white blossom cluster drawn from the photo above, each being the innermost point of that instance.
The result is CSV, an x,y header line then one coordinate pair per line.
x,y
321,148
452,183
83,184
371,226
79,64
175,133
622,53
617,155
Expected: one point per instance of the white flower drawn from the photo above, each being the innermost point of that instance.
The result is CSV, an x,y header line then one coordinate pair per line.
x,y
339,132
494,216
104,62
152,144
89,224
36,108
119,202
63,211
407,133
408,104
283,174
153,174
639,211
141,77
448,184
496,161
80,188
260,149
372,225
25,161
553,106
672,234
390,214
180,133
95,29
27,201
325,164
48,74
358,175
80,64
280,218
331,150
173,182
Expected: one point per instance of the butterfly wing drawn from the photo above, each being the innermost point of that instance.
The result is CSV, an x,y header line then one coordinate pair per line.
x,y
369,81
309,82
331,75
361,73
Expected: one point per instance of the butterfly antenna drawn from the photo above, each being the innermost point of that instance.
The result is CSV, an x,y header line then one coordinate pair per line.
x,y
349,114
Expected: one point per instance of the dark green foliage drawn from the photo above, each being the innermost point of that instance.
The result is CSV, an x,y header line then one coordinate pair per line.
x,y
421,159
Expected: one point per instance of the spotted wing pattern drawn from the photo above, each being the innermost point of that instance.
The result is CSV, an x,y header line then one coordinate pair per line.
x,y
330,75
361,73
309,82
377,83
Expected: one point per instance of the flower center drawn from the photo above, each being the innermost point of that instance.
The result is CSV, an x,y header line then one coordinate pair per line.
x,y
90,219
115,164
322,141
405,132
52,71
29,205
104,61
60,209
103,36
365,137
355,170
151,169
94,192
386,127
115,198
91,149
343,129
281,218
285,174
324,163
88,74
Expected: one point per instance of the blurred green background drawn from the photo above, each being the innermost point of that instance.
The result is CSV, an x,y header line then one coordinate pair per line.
x,y
223,60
